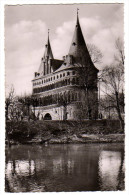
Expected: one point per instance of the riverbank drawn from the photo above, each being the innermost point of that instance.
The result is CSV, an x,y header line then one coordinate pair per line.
x,y
51,132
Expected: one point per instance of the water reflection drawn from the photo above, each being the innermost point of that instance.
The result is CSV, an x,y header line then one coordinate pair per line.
x,y
109,166
65,168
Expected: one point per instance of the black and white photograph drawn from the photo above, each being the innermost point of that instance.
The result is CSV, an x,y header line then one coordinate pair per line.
x,y
64,97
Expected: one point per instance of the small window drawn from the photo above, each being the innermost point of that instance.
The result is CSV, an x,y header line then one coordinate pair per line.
x,y
73,72
51,78
68,73
60,75
63,74
42,81
57,76
77,81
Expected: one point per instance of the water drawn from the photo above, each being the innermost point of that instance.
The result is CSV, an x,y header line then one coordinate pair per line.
x,y
72,167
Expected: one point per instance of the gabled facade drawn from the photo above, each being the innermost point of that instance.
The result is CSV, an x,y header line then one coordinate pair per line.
x,y
67,89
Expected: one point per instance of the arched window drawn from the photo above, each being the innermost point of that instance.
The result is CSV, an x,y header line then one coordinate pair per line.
x,y
73,72
77,81
73,81
68,82
73,96
68,94
65,81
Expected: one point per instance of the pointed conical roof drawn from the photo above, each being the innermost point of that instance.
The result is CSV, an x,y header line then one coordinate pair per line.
x,y
48,51
47,55
78,46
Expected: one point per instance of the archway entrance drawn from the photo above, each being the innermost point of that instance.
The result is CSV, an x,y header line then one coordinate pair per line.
x,y
47,117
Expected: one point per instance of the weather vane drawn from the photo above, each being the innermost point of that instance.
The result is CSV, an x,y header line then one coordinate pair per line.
x,y
48,31
77,10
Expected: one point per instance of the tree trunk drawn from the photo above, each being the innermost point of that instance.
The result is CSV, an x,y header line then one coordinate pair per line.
x,y
119,112
7,108
88,104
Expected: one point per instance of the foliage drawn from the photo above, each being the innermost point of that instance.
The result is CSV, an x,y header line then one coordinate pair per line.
x,y
23,131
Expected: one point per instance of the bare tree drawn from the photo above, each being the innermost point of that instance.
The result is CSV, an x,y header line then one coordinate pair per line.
x,y
27,101
95,53
64,100
119,55
9,100
112,84
88,83
113,81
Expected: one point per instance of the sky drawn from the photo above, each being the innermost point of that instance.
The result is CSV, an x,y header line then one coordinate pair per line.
x,y
26,28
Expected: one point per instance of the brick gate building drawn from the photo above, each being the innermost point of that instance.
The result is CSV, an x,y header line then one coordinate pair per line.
x,y
67,89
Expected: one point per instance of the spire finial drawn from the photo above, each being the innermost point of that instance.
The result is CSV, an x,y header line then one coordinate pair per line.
x,y
48,31
77,11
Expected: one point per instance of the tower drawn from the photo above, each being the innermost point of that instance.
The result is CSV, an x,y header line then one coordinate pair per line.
x,y
46,60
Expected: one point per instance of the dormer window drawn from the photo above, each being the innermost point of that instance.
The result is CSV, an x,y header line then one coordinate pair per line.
x,y
46,45
74,44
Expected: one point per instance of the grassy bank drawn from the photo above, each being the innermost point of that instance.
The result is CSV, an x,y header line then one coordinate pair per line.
x,y
24,132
